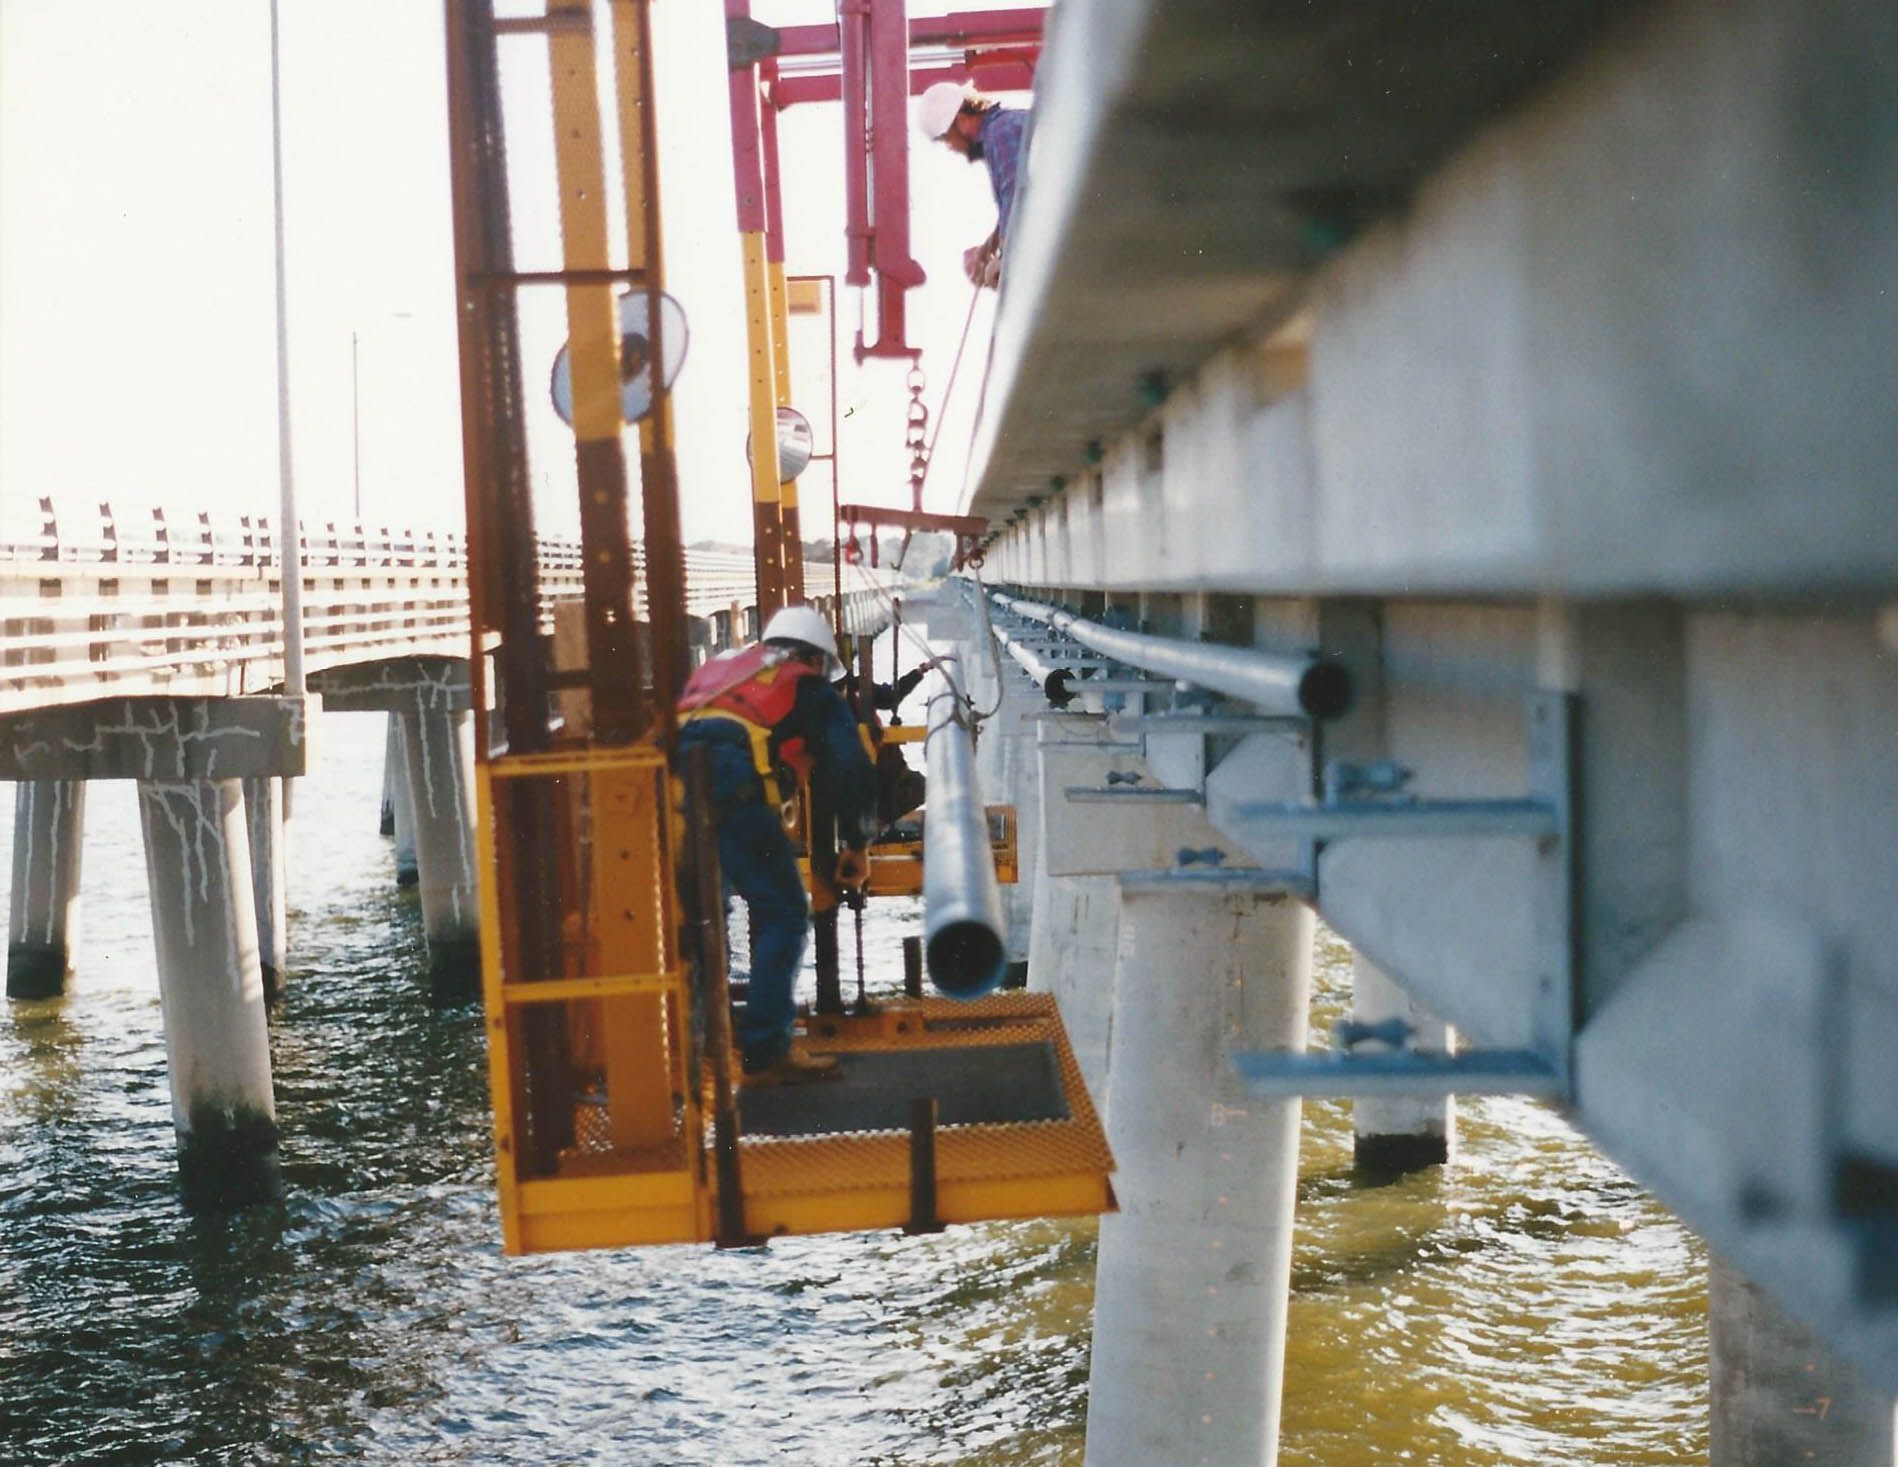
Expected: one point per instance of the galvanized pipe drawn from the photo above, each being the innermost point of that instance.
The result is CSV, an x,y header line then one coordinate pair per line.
x,y
962,903
1273,682
1054,681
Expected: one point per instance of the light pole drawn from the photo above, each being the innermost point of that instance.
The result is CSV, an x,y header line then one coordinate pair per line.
x,y
289,539
355,419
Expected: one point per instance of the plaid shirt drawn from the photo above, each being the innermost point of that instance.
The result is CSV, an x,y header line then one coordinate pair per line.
x,y
1003,131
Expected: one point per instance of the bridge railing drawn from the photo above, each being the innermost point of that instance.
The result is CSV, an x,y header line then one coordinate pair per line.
x,y
95,605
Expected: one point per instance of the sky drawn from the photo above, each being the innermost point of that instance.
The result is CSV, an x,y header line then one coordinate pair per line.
x,y
137,345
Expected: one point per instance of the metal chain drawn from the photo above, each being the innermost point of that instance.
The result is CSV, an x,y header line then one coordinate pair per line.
x,y
862,1004
916,435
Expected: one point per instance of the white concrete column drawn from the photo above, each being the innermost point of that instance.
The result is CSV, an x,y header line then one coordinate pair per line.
x,y
1018,783
1778,1396
1071,955
1394,1133
391,772
1190,1302
437,751
43,913
197,859
263,809
402,803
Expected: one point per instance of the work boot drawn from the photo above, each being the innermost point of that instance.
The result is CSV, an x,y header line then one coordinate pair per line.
x,y
794,1066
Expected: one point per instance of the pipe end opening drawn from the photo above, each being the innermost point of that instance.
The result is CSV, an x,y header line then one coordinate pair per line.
x,y
965,959
1325,690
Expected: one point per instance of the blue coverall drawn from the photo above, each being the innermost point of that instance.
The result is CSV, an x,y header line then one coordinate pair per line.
x,y
756,855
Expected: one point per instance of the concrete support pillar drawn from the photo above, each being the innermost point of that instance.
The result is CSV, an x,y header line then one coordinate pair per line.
x,y
1017,782
43,921
1391,1133
1778,1396
437,751
1190,1303
402,808
197,858
391,767
263,809
1071,944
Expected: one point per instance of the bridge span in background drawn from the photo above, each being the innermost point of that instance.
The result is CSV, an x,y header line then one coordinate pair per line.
x,y
150,648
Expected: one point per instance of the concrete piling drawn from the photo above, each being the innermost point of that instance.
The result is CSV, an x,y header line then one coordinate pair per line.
x,y
1193,1275
43,921
391,772
1777,1394
437,753
1071,942
264,813
1394,1133
217,1045
402,812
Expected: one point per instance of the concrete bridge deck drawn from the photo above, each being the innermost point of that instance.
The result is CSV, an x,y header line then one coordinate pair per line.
x,y
1527,363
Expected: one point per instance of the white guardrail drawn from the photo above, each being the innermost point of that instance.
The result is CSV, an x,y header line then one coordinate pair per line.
x,y
103,604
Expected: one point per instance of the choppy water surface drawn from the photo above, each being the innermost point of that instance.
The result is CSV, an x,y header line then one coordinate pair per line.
x,y
1529,1305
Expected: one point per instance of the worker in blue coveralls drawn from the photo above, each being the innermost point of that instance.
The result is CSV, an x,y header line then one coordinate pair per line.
x,y
758,711
983,131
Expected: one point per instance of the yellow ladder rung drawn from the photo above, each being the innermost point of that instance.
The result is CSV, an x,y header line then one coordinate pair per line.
x,y
559,990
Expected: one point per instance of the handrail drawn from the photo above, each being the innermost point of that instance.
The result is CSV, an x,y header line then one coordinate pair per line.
x,y
113,601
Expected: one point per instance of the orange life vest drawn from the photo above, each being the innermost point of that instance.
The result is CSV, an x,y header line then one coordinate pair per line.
x,y
757,689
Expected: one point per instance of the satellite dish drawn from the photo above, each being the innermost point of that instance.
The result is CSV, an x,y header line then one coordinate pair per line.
x,y
635,353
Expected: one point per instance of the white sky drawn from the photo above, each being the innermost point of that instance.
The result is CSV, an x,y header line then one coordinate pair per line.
x,y
137,354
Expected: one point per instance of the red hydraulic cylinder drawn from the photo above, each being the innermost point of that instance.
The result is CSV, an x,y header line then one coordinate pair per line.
x,y
896,271
853,45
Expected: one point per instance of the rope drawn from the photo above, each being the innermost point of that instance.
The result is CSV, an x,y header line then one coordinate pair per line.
x,y
948,388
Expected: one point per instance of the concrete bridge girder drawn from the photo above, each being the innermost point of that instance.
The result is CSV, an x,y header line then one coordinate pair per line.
x,y
157,738
397,685
1733,963
1590,402
1658,394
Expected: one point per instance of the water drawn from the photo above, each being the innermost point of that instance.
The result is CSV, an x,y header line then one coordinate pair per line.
x,y
1528,1305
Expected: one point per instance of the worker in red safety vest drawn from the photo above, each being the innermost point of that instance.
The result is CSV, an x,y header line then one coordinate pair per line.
x,y
759,711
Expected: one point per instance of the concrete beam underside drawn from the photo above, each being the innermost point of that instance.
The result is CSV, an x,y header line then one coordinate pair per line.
x,y
1594,356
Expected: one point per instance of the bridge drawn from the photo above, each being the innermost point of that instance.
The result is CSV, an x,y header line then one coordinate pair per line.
x,y
1529,367
1437,469
149,646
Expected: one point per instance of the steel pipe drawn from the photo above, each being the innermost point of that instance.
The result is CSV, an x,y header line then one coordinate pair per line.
x,y
1274,682
1053,680
962,903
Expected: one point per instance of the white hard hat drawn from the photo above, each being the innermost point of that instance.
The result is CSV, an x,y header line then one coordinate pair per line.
x,y
937,108
802,624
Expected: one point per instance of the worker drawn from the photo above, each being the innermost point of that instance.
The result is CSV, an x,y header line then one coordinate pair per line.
x,y
754,710
983,131
900,789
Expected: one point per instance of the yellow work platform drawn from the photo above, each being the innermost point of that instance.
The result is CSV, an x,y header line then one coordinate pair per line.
x,y
617,1120
1016,1135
